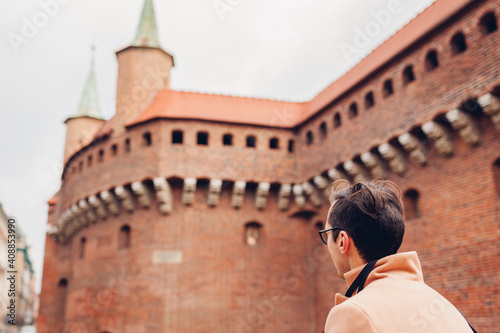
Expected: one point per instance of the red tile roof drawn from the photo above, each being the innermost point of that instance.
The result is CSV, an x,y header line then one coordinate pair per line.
x,y
220,108
186,105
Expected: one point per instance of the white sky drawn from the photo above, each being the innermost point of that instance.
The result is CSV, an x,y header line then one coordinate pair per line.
x,y
276,49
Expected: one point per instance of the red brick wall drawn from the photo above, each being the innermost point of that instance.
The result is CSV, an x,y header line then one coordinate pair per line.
x,y
287,282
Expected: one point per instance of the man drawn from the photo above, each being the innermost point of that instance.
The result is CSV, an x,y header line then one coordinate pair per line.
x,y
387,293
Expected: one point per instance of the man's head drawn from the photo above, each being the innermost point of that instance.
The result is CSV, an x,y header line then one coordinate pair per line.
x,y
370,218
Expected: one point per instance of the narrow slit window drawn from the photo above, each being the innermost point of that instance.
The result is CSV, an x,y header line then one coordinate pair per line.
x,y
124,237
253,233
291,146
127,145
431,60
114,149
496,175
323,130
309,137
147,139
337,121
387,89
408,75
411,204
101,155
353,110
369,100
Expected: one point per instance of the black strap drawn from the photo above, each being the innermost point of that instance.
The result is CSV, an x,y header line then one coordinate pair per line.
x,y
472,328
359,283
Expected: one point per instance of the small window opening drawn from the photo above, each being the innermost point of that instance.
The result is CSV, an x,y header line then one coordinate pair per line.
x,y
114,149
309,137
127,145
353,110
89,160
408,75
411,204
80,166
82,247
147,139
253,233
202,138
337,121
274,143
458,43
177,137
387,89
227,140
124,237
291,145
369,100
488,23
251,141
431,60
323,130
101,155
496,175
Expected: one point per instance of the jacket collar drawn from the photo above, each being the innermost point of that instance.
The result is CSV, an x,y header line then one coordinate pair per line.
x,y
400,266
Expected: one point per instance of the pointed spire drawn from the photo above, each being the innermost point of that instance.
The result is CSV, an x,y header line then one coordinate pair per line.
x,y
147,34
89,103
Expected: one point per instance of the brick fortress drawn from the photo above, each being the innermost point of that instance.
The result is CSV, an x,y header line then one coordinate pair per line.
x,y
190,212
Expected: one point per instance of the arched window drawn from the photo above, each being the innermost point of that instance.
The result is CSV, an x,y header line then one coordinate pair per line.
x,y
337,121
387,89
323,130
127,145
101,155
411,204
431,60
114,149
177,137
251,141
124,237
309,137
227,140
496,175
458,43
83,240
488,23
147,139
408,75
253,233
202,138
353,110
291,144
89,160
274,143
369,100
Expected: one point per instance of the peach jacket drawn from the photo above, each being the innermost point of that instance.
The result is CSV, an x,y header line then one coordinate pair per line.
x,y
395,299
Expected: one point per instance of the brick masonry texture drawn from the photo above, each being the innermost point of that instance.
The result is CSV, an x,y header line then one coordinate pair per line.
x,y
192,271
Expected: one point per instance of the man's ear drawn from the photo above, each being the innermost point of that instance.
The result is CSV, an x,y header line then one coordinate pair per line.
x,y
344,242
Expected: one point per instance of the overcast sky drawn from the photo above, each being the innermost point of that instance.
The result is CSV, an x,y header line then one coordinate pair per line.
x,y
276,49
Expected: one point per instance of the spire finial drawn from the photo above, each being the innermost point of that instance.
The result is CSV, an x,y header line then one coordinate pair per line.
x,y
147,34
89,102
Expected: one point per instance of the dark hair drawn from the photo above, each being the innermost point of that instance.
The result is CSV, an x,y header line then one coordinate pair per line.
x,y
371,213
